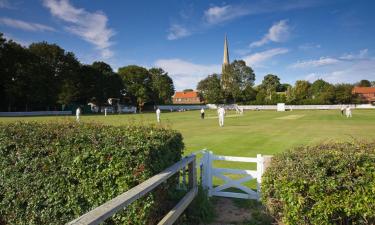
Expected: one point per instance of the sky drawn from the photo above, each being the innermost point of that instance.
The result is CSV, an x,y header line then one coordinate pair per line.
x,y
332,40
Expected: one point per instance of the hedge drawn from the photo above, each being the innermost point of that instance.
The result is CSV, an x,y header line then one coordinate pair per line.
x,y
331,183
51,173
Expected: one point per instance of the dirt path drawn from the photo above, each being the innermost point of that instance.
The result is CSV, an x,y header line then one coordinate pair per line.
x,y
227,212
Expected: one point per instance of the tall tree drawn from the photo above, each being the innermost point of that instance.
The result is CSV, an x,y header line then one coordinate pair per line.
x,y
322,92
301,91
343,93
210,89
137,83
364,83
270,84
162,86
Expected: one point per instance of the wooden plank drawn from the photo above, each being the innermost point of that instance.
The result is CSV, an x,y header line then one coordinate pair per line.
x,y
235,195
109,208
252,173
173,215
235,159
192,174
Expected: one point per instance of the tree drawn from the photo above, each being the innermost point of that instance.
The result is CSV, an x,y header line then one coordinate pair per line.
x,y
301,91
270,84
322,92
210,89
372,83
235,78
162,86
137,83
343,93
364,83
188,90
248,94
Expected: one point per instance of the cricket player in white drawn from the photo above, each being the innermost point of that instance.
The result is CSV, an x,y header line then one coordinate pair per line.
x,y
348,112
78,113
221,114
158,115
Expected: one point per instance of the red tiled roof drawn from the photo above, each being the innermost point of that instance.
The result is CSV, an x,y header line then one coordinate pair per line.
x,y
363,90
181,94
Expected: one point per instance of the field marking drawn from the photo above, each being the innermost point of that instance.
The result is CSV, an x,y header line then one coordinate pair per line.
x,y
215,117
290,117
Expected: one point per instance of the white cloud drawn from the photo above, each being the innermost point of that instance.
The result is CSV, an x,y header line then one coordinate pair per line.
x,y
322,61
23,25
186,74
309,46
217,14
361,54
257,59
90,26
19,41
177,31
279,32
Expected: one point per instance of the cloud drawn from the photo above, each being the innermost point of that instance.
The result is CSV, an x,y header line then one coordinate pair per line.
x,y
361,54
217,14
177,31
257,59
90,26
279,32
309,46
186,74
19,41
322,61
23,25
349,72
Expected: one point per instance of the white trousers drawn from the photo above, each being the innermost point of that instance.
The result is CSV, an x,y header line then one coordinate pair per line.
x,y
158,118
77,118
221,120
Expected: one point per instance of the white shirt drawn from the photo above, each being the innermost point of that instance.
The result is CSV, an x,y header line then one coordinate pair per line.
x,y
158,112
202,110
78,111
221,111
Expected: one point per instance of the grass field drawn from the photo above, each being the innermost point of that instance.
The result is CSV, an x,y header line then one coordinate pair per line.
x,y
255,132
265,132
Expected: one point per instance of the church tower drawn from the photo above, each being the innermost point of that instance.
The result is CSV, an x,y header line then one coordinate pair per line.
x,y
225,69
226,54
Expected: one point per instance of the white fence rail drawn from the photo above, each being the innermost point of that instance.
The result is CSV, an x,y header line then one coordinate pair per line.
x,y
208,172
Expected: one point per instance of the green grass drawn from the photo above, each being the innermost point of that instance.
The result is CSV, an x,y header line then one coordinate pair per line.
x,y
265,132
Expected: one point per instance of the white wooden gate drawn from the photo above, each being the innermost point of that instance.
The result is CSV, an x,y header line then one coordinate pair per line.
x,y
208,172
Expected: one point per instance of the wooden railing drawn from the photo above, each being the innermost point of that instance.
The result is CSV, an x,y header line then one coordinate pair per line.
x,y
109,208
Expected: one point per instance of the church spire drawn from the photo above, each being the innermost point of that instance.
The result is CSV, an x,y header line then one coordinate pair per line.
x,y
226,52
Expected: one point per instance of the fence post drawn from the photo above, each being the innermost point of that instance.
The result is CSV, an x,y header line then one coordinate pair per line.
x,y
209,172
192,173
259,172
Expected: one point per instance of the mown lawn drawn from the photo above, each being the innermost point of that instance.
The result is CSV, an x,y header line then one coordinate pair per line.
x,y
265,132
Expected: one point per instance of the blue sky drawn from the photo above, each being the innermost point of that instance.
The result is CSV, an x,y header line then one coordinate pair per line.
x,y
329,39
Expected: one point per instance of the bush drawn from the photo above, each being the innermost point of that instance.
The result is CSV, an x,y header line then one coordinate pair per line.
x,y
52,173
325,184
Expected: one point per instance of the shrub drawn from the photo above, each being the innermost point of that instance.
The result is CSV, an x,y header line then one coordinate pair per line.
x,y
52,173
325,184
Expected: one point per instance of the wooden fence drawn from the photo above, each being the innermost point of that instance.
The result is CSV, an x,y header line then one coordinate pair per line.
x,y
109,208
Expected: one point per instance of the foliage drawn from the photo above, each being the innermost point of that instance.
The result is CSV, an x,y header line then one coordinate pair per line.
x,y
325,184
364,83
210,89
162,86
200,210
52,173
44,76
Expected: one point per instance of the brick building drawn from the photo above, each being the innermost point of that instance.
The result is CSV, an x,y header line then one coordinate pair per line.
x,y
189,97
367,94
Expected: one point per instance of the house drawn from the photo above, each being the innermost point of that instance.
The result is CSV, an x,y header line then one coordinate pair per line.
x,y
367,94
186,97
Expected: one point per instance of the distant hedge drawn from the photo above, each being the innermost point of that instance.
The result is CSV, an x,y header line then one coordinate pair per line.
x,y
324,184
52,173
